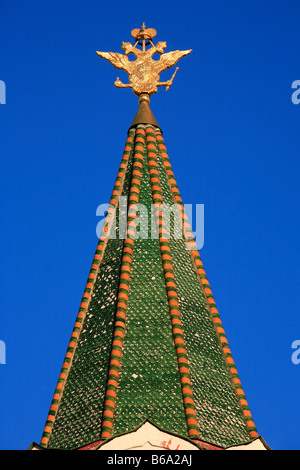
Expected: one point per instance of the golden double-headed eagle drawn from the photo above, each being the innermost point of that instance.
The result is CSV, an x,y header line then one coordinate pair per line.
x,y
144,71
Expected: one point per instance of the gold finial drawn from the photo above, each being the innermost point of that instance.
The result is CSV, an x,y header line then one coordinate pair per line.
x,y
144,71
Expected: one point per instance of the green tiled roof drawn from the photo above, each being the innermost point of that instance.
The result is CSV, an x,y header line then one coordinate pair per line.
x,y
152,374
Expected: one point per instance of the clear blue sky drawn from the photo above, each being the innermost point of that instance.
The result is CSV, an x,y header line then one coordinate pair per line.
x,y
232,133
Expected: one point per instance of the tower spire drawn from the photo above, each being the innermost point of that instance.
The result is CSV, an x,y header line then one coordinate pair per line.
x,y
148,362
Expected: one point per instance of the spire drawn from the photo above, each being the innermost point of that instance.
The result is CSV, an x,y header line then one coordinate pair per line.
x,y
144,114
148,350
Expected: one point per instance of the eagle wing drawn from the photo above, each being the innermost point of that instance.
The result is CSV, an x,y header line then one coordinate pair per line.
x,y
169,59
120,61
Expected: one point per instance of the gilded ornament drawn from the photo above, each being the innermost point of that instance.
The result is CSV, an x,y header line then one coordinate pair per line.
x,y
144,71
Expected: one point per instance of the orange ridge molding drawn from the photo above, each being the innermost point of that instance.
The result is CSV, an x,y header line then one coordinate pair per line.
x,y
198,265
87,295
122,300
189,407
